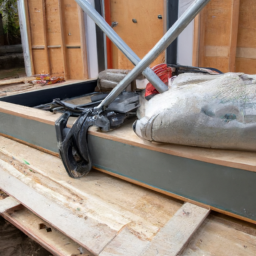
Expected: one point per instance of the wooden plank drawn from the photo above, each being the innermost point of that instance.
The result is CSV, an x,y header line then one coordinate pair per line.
x,y
43,233
125,134
125,244
222,235
233,35
54,39
7,204
217,236
83,42
17,80
29,36
45,38
109,43
196,41
141,36
63,42
87,232
202,27
174,236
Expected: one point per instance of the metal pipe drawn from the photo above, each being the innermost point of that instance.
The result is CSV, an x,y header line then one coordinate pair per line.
x,y
123,47
164,42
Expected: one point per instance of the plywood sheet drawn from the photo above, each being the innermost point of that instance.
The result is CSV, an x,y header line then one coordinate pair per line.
x,y
141,36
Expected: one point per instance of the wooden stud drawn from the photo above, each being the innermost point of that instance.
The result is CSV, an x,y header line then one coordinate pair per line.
x,y
202,27
233,35
45,37
109,43
29,36
173,237
83,42
196,41
63,44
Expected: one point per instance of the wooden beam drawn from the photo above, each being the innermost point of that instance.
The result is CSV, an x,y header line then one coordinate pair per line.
x,y
202,27
87,232
196,41
29,36
7,204
45,38
63,43
109,43
174,236
17,81
233,35
42,232
124,244
83,42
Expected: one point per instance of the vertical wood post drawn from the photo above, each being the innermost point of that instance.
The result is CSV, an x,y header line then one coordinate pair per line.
x,y
63,43
45,38
109,43
29,36
83,42
196,41
233,35
202,27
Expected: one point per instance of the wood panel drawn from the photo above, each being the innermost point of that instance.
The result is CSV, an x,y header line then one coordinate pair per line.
x,y
57,38
141,36
246,37
227,36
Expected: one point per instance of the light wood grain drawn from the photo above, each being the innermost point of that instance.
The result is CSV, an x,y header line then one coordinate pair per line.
x,y
142,212
233,35
55,242
87,232
173,237
16,81
125,244
8,203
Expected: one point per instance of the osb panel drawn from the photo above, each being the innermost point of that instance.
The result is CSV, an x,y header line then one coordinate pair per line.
x,y
247,24
218,25
53,22
140,36
220,63
40,62
36,22
74,61
247,66
71,22
56,60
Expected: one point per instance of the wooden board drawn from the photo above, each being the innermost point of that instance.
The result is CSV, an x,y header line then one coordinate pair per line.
x,y
117,203
40,231
227,37
142,36
214,166
172,239
57,38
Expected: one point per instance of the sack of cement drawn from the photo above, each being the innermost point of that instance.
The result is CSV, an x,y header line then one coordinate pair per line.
x,y
109,79
212,111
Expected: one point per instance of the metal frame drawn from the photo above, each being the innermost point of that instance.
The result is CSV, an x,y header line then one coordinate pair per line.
x,y
172,14
164,42
116,39
24,36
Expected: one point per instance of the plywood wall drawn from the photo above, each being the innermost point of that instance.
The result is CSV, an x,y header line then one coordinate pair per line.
x,y
227,36
141,36
57,38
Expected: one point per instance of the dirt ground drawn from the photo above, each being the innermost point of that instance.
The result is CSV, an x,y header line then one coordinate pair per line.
x,y
13,242
12,73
